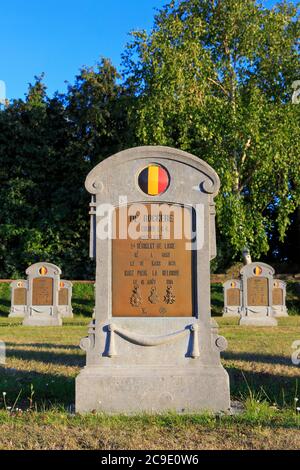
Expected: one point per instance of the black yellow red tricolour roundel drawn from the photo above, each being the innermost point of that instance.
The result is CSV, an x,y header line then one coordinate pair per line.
x,y
154,180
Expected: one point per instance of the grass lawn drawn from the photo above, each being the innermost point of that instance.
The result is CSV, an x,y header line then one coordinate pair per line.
x,y
42,364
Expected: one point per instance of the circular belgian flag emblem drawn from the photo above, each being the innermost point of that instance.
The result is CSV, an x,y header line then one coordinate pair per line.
x,y
154,180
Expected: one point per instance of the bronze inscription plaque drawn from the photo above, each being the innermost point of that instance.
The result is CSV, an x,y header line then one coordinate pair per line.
x,y
277,296
258,291
152,274
20,297
233,297
42,291
63,297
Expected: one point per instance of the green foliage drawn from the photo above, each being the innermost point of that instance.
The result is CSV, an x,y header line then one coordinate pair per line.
x,y
47,147
214,78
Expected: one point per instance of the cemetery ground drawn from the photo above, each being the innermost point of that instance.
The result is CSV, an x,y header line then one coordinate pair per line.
x,y
37,388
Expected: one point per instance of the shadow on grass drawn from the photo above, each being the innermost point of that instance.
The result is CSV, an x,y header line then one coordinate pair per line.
x,y
49,389
43,345
260,358
47,357
276,389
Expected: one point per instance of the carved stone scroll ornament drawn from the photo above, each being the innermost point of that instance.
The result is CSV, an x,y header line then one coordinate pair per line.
x,y
151,341
88,343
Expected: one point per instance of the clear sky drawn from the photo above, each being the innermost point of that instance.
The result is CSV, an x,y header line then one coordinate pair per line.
x,y
59,36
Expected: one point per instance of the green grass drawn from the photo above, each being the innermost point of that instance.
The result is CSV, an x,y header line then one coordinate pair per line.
x,y
42,364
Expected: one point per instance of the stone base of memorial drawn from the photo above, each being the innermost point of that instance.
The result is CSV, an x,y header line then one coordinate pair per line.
x,y
232,312
17,312
280,311
41,318
65,312
254,317
137,373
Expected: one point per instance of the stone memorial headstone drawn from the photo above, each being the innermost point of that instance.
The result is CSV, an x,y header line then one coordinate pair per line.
x,y
19,291
232,298
257,288
42,300
152,345
65,299
279,298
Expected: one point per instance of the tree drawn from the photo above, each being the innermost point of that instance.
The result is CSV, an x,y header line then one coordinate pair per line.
x,y
215,78
97,107
47,148
43,202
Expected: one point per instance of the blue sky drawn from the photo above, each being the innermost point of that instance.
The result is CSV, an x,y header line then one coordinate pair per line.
x,y
59,36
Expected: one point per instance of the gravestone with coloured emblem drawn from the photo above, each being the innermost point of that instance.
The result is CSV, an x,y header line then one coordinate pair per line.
x,y
43,292
279,298
232,298
19,291
257,295
152,345
65,299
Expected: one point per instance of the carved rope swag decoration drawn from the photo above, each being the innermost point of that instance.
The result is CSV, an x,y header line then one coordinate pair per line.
x,y
150,341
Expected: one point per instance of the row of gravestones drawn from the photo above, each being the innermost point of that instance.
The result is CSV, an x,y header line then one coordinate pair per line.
x,y
256,297
44,298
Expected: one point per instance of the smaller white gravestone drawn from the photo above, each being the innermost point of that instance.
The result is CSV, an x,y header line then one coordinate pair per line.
x,y
65,299
42,300
232,298
257,295
279,299
19,290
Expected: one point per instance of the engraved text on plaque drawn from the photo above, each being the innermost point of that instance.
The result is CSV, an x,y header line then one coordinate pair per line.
x,y
277,296
63,297
42,291
20,296
233,297
152,274
258,291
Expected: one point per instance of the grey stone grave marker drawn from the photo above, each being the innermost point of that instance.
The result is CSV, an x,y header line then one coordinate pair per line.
x,y
257,287
279,298
232,298
42,303
19,291
65,299
152,345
